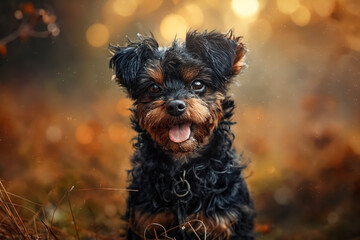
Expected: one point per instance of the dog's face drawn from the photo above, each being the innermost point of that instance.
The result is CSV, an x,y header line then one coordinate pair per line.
x,y
178,91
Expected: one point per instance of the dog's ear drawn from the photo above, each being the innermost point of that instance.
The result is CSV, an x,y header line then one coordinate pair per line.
x,y
127,61
223,53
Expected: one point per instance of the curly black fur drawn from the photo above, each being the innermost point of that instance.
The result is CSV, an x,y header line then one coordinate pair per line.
x,y
214,173
215,178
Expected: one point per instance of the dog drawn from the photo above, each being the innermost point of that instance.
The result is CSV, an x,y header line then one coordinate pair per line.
x,y
186,178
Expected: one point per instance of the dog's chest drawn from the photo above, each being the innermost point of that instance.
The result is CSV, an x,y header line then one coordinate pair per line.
x,y
190,186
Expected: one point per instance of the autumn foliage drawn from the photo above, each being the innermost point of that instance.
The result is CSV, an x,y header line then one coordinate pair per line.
x,y
65,137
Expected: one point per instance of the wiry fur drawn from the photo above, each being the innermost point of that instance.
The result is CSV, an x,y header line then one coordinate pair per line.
x,y
198,181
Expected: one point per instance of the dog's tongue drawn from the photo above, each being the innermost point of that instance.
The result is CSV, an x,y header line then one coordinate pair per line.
x,y
180,133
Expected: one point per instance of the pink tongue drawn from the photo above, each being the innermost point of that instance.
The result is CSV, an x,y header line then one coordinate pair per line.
x,y
180,133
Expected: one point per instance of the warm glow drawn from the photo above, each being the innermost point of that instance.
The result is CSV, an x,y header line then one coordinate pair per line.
x,y
29,8
18,14
53,28
283,195
118,133
212,3
84,134
110,210
333,217
123,107
353,42
125,8
245,8
240,26
354,138
301,17
97,35
53,134
70,133
3,50
260,30
288,6
271,170
173,25
193,14
352,6
324,7
150,5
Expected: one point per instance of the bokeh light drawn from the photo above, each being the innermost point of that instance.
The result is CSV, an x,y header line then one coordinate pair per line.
x,y
47,17
193,14
84,134
97,35
301,16
150,5
354,141
64,123
118,132
283,195
123,107
110,210
173,25
125,8
260,30
29,7
245,8
18,14
353,41
288,6
3,50
53,29
324,7
352,6
332,217
53,134
240,26
212,3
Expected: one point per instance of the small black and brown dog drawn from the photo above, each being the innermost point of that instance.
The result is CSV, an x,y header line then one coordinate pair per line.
x,y
188,178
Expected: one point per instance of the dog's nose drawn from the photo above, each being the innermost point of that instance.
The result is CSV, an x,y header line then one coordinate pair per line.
x,y
176,107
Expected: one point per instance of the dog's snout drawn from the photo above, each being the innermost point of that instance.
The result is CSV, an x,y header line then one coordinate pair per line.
x,y
176,107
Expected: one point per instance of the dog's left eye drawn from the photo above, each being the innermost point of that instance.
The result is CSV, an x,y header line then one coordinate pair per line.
x,y
154,88
197,86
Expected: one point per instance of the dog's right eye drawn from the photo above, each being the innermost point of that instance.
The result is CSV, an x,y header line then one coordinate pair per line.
x,y
198,86
154,88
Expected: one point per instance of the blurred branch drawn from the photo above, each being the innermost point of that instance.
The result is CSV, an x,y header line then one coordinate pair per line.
x,y
31,18
9,38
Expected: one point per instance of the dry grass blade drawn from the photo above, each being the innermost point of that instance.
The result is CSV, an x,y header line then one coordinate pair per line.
x,y
28,221
181,226
16,227
105,189
72,214
12,223
20,197
49,230
194,231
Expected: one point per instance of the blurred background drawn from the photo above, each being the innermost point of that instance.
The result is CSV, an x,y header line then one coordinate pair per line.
x,y
65,137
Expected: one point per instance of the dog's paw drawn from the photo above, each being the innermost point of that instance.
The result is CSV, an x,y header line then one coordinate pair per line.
x,y
215,227
152,226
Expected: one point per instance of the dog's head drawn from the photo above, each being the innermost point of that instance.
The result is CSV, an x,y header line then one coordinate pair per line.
x,y
178,91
